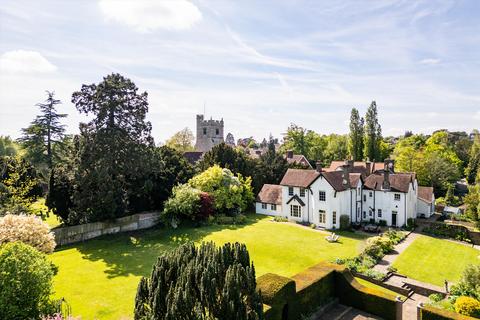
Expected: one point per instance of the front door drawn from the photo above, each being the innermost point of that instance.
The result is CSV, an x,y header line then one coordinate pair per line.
x,y
394,219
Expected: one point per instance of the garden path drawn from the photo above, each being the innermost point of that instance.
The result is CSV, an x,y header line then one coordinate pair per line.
x,y
388,259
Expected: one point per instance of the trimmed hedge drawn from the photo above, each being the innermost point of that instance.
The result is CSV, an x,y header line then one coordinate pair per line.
x,y
432,313
277,292
373,301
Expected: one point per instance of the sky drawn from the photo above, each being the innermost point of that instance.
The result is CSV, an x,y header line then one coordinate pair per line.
x,y
259,65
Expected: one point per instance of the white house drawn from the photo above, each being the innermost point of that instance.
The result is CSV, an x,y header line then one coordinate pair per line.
x,y
426,202
321,197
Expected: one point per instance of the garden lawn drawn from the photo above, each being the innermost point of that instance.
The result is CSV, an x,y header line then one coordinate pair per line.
x,y
435,260
99,278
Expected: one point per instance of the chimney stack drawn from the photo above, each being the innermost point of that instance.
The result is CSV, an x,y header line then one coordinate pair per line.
x,y
319,166
346,176
368,165
387,169
289,154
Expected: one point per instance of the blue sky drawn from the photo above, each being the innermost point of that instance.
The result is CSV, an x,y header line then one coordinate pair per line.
x,y
260,65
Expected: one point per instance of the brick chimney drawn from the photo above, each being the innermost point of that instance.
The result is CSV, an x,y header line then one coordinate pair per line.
x,y
368,165
289,154
346,176
387,169
319,166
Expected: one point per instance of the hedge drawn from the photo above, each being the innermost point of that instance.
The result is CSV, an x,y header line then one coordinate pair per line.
x,y
277,292
432,313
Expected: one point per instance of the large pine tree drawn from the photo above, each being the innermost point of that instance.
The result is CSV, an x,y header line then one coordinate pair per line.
x,y
200,283
372,133
44,132
355,139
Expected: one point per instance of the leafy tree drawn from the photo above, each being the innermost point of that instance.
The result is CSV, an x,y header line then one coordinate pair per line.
x,y
230,193
230,140
44,132
472,202
298,139
336,148
19,185
450,197
355,138
26,282
181,141
270,168
373,133
225,156
113,146
473,159
8,147
205,282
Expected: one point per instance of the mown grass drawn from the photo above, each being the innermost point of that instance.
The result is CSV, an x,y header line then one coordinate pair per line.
x,y
434,260
99,277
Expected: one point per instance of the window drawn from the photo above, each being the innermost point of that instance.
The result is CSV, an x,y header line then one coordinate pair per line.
x,y
397,196
364,215
370,194
321,216
364,198
302,192
204,131
290,191
264,206
217,132
295,211
370,212
334,217
322,196
379,213
273,207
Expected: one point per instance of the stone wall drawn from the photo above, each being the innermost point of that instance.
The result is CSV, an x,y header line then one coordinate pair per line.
x,y
209,133
82,232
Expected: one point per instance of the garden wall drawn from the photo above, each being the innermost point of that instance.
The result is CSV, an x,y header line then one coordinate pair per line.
x,y
431,313
82,232
296,297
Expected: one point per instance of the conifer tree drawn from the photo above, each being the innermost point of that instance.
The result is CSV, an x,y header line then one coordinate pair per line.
x,y
204,283
372,133
355,141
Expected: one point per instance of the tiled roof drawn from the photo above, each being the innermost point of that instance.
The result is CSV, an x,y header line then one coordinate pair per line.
x,y
335,178
270,193
298,159
425,194
358,166
398,181
295,197
299,177
193,156
354,178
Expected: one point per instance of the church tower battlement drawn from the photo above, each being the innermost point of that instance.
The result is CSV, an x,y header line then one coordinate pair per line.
x,y
209,133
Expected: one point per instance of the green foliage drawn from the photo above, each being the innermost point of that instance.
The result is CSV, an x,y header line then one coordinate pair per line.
x,y
19,185
8,147
227,157
207,282
373,134
181,141
280,219
26,282
270,168
472,202
435,297
184,202
44,133
355,138
469,284
472,170
446,230
230,193
344,222
468,306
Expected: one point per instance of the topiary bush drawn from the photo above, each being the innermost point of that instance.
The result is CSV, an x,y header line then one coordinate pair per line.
x,y
25,281
344,222
467,306
205,282
28,229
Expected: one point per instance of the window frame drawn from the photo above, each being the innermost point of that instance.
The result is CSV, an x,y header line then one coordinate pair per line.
x,y
273,207
302,192
264,206
322,216
397,196
320,194
379,213
291,191
295,211
334,217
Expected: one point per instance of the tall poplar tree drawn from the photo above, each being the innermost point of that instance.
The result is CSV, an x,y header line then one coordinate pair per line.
x,y
355,138
472,169
44,132
372,133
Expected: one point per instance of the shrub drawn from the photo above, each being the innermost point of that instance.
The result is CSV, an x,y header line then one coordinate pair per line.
x,y
467,306
205,282
469,284
392,269
280,219
27,229
394,236
313,225
26,282
411,224
435,297
450,231
344,222
382,223
374,274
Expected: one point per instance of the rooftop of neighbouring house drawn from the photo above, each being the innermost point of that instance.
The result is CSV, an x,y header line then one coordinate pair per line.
x,y
363,167
425,194
270,193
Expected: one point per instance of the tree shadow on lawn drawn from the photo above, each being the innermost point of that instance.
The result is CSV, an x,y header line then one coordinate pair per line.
x,y
134,253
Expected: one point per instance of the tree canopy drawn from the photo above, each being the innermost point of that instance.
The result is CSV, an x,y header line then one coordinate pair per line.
x,y
181,141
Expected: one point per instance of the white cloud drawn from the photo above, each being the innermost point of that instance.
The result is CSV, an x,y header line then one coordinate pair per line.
x,y
477,115
430,61
23,61
148,15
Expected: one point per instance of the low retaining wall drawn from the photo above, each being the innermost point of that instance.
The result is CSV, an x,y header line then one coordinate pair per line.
x,y
82,232
402,291
425,312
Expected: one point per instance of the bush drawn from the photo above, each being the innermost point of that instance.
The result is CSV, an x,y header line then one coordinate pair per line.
x,y
382,223
27,229
411,224
469,284
344,222
392,269
394,236
435,297
25,281
450,231
313,225
238,219
467,306
280,219
205,282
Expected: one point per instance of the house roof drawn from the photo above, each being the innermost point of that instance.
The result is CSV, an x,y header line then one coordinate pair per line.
x,y
193,156
425,194
335,179
358,167
270,193
354,178
299,177
295,197
398,181
298,159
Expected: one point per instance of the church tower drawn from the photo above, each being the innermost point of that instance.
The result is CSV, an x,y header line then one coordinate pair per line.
x,y
209,133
